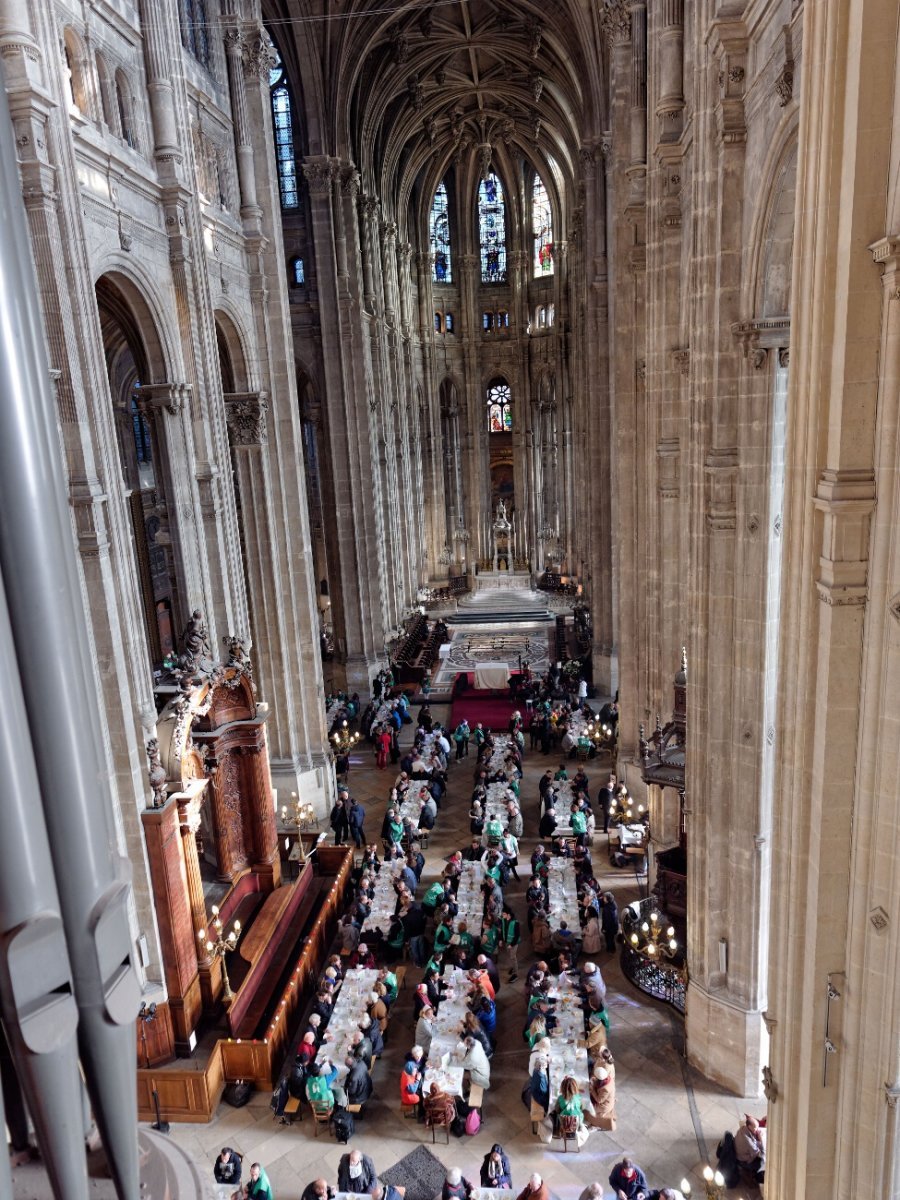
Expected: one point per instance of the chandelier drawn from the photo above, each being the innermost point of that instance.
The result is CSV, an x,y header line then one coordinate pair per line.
x,y
343,739
623,810
301,815
652,935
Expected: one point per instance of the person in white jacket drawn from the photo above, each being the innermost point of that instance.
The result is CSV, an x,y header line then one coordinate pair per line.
x,y
475,1061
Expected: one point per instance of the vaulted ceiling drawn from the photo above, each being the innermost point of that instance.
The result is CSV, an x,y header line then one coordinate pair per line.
x,y
404,89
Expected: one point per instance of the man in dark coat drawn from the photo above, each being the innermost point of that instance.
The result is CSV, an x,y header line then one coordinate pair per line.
x,y
228,1167
358,1084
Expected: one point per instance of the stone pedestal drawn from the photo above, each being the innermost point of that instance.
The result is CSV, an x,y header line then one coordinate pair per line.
x,y
725,1041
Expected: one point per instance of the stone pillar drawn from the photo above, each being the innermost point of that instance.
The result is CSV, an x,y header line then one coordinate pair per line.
x,y
637,169
670,100
835,893
243,145
160,53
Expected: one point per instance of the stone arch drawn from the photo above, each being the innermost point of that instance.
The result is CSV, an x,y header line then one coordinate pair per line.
x,y
78,65
231,344
125,109
107,92
138,390
771,239
133,296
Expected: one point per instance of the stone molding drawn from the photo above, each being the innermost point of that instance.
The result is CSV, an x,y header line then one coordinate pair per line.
x,y
168,397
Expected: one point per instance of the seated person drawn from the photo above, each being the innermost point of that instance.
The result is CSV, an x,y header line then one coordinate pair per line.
x,y
410,1083
440,1107
356,1173
627,1180
317,1089
456,1187
228,1167
495,1169
750,1147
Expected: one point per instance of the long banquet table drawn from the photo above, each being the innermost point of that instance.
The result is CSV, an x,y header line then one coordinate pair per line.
x,y
344,1020
562,894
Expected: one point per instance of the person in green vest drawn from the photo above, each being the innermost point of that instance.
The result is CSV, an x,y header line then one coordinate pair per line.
x,y
463,940
395,938
258,1186
433,897
490,938
317,1089
578,822
511,935
493,830
479,735
562,773
443,935
389,979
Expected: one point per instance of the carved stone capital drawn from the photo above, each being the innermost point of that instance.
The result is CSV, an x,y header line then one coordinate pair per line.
x,y
259,56
319,172
615,22
245,413
168,397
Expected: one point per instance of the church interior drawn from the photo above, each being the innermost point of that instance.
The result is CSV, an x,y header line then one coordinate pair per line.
x,y
453,401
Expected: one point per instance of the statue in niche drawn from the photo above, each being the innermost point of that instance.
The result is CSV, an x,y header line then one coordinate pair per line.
x,y
194,641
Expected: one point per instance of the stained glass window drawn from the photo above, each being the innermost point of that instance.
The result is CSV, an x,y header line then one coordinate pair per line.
x,y
142,444
285,159
297,272
195,29
542,227
439,236
492,230
499,407
448,322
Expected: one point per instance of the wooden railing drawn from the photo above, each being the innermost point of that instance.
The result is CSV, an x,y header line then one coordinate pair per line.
x,y
192,1093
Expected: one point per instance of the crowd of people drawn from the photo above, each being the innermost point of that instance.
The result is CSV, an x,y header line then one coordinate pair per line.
x,y
457,928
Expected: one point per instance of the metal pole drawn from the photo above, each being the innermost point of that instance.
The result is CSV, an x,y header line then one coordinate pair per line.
x,y
36,1000
43,591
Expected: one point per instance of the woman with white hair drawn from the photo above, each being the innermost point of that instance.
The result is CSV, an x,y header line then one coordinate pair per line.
x,y
456,1186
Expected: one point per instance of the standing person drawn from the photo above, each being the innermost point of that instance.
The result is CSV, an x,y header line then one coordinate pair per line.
x,y
511,935
383,742
338,819
605,799
356,818
228,1167
356,1173
258,1186
603,1092
609,920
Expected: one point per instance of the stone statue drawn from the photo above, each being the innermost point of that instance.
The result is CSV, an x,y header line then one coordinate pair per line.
x,y
194,641
237,650
157,774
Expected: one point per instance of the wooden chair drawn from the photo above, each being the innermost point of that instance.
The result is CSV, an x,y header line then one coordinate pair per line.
x,y
438,1117
321,1114
567,1131
409,1111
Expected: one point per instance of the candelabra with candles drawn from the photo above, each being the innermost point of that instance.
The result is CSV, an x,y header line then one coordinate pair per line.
x,y
714,1182
304,817
221,946
601,734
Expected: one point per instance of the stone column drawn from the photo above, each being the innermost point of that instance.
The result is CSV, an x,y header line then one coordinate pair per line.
x,y
670,100
637,169
160,53
835,889
243,144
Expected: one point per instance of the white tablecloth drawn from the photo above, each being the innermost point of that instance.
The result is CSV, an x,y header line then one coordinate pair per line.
x,y
443,1056
562,894
492,675
344,1020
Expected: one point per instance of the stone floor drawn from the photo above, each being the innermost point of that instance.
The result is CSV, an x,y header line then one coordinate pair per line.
x,y
669,1117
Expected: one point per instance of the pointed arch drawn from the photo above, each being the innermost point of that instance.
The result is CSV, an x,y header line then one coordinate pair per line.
x,y
439,236
492,229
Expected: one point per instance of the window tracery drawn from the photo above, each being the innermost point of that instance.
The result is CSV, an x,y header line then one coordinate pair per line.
x,y
439,236
542,228
500,419
492,230
283,125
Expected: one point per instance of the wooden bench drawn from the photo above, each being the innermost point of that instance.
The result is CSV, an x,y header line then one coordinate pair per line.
x,y
400,972
476,1096
292,1108
537,1115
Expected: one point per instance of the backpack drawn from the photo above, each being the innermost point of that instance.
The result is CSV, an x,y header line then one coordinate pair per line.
x,y
279,1098
297,1081
473,1122
343,1125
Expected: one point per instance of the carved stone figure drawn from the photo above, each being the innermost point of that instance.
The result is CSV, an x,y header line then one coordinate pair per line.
x,y
194,641
156,773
